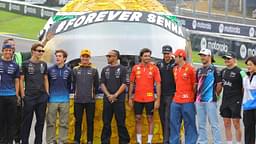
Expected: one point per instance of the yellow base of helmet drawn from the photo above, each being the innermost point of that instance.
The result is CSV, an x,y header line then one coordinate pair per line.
x,y
96,5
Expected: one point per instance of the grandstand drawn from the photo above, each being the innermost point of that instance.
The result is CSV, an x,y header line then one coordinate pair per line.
x,y
236,11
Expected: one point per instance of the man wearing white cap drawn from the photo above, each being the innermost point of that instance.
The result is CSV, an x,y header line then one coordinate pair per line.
x,y
207,89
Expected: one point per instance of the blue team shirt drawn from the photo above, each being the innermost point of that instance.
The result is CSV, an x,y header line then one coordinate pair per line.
x,y
9,71
59,84
207,78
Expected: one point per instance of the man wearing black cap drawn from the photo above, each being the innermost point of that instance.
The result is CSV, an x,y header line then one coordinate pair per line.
x,y
167,90
230,108
9,94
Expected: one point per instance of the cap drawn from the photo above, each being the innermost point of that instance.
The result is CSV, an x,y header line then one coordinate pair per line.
x,y
117,53
229,55
205,52
7,46
85,52
166,49
180,53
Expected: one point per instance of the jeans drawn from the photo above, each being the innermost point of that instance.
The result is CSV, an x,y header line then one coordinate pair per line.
x,y
109,110
208,110
63,110
185,111
90,112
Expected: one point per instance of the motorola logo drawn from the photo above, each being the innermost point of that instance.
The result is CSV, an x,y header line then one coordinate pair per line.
x,y
243,51
194,23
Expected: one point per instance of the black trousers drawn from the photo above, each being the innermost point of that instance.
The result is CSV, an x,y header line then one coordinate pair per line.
x,y
249,119
117,108
18,120
31,106
164,113
7,119
90,112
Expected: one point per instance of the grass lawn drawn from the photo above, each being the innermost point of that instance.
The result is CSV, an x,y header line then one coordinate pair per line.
x,y
21,25
218,59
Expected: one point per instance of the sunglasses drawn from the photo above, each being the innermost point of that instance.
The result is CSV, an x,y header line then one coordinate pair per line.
x,y
227,58
108,56
40,51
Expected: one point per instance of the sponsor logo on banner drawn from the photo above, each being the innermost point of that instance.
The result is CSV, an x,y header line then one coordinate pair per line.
x,y
29,10
213,45
2,5
119,16
221,28
201,25
229,29
194,24
48,13
251,32
203,43
243,51
234,29
15,7
251,51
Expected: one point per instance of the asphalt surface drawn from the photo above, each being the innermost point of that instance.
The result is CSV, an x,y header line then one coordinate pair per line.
x,y
25,44
22,44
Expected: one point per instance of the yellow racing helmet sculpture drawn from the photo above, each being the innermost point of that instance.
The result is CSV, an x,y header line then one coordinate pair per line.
x,y
103,25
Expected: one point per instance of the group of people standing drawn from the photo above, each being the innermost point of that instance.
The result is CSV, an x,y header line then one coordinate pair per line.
x,y
172,86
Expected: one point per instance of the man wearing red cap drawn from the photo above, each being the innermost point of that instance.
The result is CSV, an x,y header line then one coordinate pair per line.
x,y
182,107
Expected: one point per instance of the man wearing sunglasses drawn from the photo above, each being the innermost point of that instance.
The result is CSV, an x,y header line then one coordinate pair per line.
x,y
230,108
34,89
114,81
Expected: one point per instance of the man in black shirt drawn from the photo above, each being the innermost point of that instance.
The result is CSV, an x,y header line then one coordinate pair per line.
x,y
35,93
114,80
230,108
85,84
167,90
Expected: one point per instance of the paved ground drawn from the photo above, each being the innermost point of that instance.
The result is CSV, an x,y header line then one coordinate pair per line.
x,y
24,45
